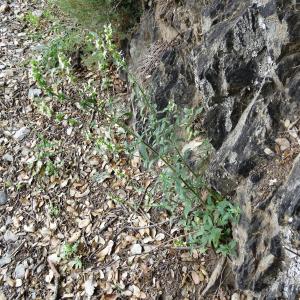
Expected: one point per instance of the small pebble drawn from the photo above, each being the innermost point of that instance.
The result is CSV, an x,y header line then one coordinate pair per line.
x,y
38,13
10,236
3,198
293,132
8,157
20,271
283,143
32,93
136,249
235,296
5,260
160,237
2,296
21,133
287,123
69,131
268,151
19,282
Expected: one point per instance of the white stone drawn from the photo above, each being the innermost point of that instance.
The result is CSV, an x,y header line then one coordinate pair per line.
x,y
89,287
268,151
10,236
8,157
160,237
32,93
136,249
235,296
29,228
19,282
4,8
83,223
287,123
38,13
20,271
293,132
21,133
283,143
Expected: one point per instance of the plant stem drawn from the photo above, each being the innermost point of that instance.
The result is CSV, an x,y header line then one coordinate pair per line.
x,y
185,163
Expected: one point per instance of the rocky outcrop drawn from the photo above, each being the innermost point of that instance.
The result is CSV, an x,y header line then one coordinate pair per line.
x,y
240,60
250,105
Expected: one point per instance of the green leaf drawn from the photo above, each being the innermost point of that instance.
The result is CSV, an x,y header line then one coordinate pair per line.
x,y
187,209
215,236
144,152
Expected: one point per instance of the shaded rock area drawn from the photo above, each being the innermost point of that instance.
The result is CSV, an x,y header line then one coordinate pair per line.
x,y
240,60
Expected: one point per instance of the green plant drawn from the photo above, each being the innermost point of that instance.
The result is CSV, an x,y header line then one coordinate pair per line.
x,y
45,161
59,116
73,122
43,107
211,227
19,186
205,216
69,250
45,149
32,19
76,263
105,145
50,168
54,211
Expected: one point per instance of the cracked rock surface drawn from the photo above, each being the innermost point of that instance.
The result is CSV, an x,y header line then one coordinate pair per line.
x,y
241,62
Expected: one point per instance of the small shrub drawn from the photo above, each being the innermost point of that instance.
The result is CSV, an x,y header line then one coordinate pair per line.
x,y
45,162
69,252
204,215
54,211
